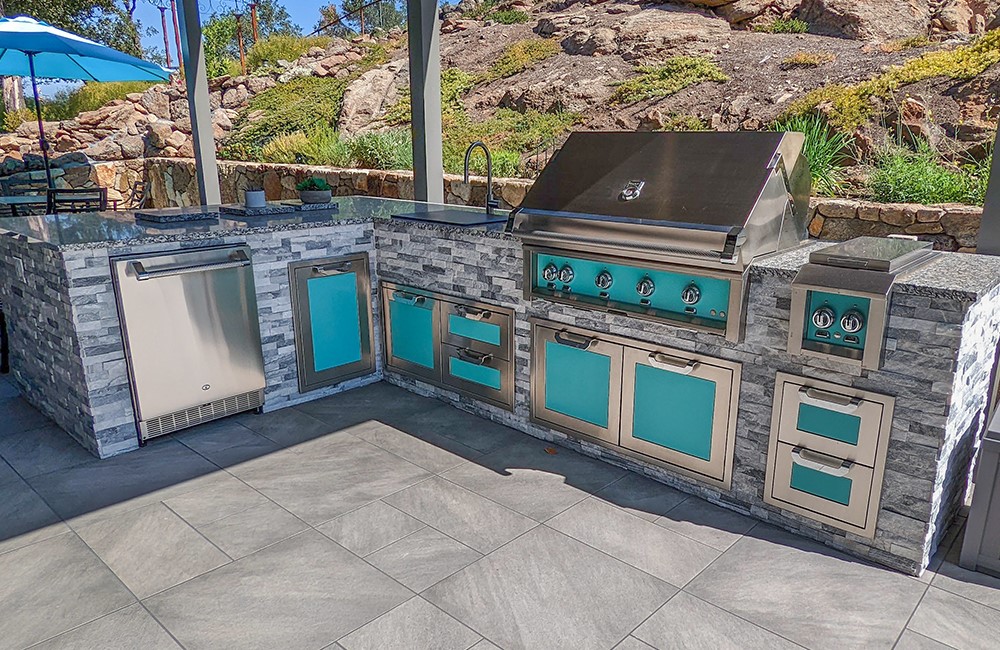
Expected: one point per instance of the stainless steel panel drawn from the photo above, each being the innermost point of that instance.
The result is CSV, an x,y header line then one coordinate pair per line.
x,y
189,321
427,300
299,274
478,312
504,397
726,377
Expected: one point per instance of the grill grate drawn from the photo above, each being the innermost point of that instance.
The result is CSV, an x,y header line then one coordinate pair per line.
x,y
195,415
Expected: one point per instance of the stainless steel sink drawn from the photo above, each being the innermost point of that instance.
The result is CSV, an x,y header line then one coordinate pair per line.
x,y
452,216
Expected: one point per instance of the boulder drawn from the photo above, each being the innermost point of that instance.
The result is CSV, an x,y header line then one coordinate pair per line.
x,y
294,72
956,16
106,149
158,133
596,42
235,97
651,35
132,146
867,19
368,97
156,102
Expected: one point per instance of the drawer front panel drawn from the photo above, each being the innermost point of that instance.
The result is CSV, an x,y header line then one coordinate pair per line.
x,y
816,483
412,333
479,375
483,332
837,424
479,327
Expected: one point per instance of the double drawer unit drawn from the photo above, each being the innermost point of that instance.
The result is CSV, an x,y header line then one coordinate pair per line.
x,y
672,406
461,344
827,452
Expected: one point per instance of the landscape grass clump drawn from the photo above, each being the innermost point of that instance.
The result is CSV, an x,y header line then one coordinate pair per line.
x,y
683,122
455,84
908,43
784,26
676,74
903,175
281,47
826,149
521,55
849,107
509,17
807,60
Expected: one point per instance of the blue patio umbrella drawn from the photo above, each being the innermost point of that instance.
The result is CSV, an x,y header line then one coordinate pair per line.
x,y
31,48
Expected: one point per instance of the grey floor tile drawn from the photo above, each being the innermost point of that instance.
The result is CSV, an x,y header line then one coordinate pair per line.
x,y
790,585
304,592
689,623
51,587
20,416
423,558
910,640
286,427
485,645
7,473
459,513
151,548
531,480
470,430
205,505
7,389
632,643
330,480
381,402
251,530
956,621
414,624
546,590
976,586
641,496
226,442
131,628
670,557
41,450
432,452
707,523
24,517
370,528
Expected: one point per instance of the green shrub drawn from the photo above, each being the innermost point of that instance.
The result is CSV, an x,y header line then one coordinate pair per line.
x,y
518,57
481,10
455,84
784,26
383,150
509,17
14,119
320,146
826,150
268,51
905,176
807,60
682,122
285,149
676,74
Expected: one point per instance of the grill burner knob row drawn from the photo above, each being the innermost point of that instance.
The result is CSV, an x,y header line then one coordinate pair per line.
x,y
691,294
852,321
566,274
824,318
645,287
604,280
550,273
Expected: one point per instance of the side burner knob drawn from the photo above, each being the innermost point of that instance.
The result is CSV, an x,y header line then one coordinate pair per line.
x,y
852,321
604,280
691,294
566,274
645,287
824,318
550,273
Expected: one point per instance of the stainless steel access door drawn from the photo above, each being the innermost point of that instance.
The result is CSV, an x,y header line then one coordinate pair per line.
x,y
189,321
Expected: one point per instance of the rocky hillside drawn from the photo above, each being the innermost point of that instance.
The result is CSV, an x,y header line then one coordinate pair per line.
x,y
520,73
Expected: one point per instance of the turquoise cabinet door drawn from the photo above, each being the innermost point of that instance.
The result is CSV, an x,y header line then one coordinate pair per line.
x,y
413,337
336,320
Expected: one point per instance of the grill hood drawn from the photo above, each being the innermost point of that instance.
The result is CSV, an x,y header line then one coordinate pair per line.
x,y
709,199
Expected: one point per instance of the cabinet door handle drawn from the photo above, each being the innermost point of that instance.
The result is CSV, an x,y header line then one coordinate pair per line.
x,y
575,340
409,298
332,269
478,358
672,364
830,401
236,260
473,313
821,463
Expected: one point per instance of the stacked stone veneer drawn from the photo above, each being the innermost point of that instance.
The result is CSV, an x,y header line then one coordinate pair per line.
x,y
67,322
940,402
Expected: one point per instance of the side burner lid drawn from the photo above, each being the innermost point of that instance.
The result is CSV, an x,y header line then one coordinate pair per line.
x,y
886,254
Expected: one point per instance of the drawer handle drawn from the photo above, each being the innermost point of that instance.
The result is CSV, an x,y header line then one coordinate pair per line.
x,y
332,269
821,463
672,364
478,358
831,401
575,340
471,313
409,298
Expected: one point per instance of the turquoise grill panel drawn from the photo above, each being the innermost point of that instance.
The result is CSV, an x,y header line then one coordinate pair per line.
x,y
412,332
840,304
666,297
483,375
674,411
842,427
577,383
824,486
475,330
335,317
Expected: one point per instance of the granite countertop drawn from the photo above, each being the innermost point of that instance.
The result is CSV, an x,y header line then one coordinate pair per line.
x,y
104,229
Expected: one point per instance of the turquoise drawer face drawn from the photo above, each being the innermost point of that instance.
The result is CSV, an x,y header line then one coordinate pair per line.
x,y
840,305
335,319
842,427
412,328
674,411
482,375
577,383
475,330
824,486
711,307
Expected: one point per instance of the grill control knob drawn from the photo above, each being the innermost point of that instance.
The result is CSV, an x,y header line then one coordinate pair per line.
x,y
852,321
566,274
550,272
645,287
604,280
691,294
824,318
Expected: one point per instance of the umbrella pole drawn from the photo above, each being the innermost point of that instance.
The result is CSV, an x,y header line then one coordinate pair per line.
x,y
38,113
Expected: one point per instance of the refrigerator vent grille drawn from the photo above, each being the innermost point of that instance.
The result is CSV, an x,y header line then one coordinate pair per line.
x,y
190,417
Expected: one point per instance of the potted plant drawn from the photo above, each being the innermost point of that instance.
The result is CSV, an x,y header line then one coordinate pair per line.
x,y
314,190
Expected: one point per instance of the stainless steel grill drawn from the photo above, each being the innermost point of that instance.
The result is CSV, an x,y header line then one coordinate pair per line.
x,y
662,225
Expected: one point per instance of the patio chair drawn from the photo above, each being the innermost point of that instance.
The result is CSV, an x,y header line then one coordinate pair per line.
x,y
138,197
13,186
89,199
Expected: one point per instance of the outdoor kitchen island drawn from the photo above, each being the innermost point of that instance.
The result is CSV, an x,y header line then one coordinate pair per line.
x,y
940,345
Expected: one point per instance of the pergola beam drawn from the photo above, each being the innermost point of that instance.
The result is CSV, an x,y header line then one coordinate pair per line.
x,y
423,33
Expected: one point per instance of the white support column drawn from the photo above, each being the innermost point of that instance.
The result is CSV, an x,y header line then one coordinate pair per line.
x,y
193,56
423,32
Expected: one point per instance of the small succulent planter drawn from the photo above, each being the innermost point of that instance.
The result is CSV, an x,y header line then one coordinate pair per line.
x,y
254,199
314,190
